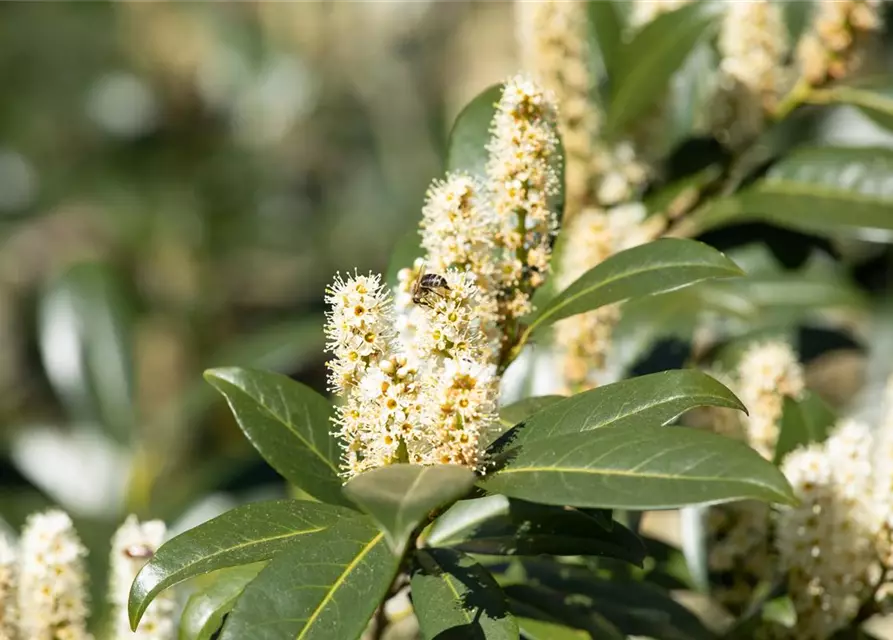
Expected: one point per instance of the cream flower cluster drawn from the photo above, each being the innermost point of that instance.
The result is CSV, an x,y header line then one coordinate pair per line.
x,y
458,231
554,48
498,231
426,399
835,44
829,543
521,177
754,46
43,581
583,341
132,545
767,373
8,617
52,580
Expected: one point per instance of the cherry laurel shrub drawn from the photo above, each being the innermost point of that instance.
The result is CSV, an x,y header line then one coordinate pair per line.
x,y
444,498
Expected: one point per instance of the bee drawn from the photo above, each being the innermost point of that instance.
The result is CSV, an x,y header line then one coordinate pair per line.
x,y
138,551
427,284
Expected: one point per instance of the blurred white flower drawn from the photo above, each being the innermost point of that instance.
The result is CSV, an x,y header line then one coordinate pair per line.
x,y
132,546
753,45
123,105
836,42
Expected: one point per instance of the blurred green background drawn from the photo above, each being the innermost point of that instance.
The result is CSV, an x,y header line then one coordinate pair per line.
x,y
178,183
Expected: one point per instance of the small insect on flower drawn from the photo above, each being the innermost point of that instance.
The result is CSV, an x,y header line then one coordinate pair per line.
x,y
427,284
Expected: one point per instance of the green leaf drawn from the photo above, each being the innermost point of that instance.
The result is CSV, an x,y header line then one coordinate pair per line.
x,y
85,337
606,30
467,147
206,608
400,496
647,64
656,267
691,89
655,399
246,534
288,423
875,102
803,422
497,525
455,597
643,468
548,605
326,587
820,188
533,629
635,608
512,414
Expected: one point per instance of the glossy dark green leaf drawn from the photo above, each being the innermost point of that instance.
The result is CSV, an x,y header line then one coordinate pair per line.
x,y
512,414
649,467
455,597
656,267
400,496
206,608
532,629
606,31
651,400
326,587
288,423
497,525
635,608
547,605
821,188
802,422
86,342
647,63
467,150
246,534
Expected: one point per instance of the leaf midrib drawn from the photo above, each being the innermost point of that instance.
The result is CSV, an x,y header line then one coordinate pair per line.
x,y
330,593
311,446
619,472
626,274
